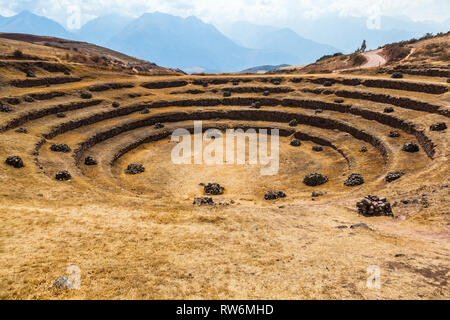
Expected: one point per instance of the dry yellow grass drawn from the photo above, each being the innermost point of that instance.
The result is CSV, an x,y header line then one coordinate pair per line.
x,y
140,237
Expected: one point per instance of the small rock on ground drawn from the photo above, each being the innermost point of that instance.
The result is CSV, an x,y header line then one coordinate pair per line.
x,y
60,147
392,176
135,168
273,195
295,142
14,161
394,134
438,126
63,175
317,148
90,161
203,201
410,147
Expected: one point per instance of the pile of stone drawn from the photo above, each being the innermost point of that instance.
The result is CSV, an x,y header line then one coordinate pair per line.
x,y
159,125
135,168
89,161
318,111
63,175
115,104
256,105
394,134
339,100
266,93
145,111
275,82
317,148
5,108
227,93
327,84
388,110
273,195
392,176
60,115
14,161
314,179
293,123
213,189
203,201
410,147
354,179
60,147
22,130
438,126
315,194
374,206
295,142
363,149
85,95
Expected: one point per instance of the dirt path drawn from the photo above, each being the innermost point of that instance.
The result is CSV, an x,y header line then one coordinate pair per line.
x,y
374,59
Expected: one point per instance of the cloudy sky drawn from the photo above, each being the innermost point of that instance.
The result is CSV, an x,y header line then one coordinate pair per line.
x,y
222,12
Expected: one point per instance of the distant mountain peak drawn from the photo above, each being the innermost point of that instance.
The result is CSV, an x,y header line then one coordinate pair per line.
x,y
31,23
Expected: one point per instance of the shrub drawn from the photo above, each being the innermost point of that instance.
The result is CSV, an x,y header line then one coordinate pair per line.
x,y
357,59
329,56
445,57
396,51
18,54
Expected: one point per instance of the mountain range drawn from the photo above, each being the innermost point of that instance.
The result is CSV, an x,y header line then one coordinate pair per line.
x,y
27,22
172,41
195,46
348,32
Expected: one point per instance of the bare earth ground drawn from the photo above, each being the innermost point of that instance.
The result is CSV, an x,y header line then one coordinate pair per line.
x,y
140,237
